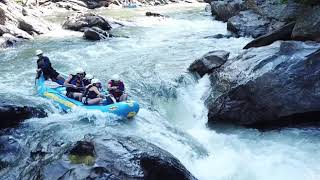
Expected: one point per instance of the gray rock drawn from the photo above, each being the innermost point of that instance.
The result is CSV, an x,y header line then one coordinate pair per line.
x,y
308,25
284,33
108,156
292,11
266,86
12,115
223,10
79,22
209,62
248,23
95,33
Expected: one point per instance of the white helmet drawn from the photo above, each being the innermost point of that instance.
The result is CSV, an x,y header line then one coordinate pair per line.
x,y
115,77
95,81
89,76
79,70
38,52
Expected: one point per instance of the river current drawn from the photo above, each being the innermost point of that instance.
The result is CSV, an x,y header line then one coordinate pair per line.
x,y
153,64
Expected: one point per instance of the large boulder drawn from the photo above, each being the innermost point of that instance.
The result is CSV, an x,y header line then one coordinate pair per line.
x,y
223,10
96,33
248,23
292,11
268,86
209,62
79,22
107,156
12,115
284,33
308,25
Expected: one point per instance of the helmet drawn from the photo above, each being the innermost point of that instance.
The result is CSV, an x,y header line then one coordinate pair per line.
x,y
38,52
115,77
79,71
89,76
95,81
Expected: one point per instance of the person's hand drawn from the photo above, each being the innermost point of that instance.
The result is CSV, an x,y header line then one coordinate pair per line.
x,y
75,87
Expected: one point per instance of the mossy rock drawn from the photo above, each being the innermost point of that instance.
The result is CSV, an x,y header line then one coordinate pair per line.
x,y
87,160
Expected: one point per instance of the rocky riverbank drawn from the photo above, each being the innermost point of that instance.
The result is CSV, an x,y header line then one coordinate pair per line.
x,y
24,20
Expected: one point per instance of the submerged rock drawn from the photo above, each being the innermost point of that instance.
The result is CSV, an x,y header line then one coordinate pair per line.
x,y
12,115
112,157
154,14
209,62
248,23
284,33
272,85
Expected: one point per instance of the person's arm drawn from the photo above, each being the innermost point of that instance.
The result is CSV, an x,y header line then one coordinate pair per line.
x,y
67,84
95,89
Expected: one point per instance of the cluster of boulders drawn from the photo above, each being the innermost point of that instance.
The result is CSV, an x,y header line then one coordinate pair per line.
x,y
269,19
107,156
266,87
272,86
95,27
18,24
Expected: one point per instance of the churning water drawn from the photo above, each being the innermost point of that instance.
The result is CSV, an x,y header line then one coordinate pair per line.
x,y
153,63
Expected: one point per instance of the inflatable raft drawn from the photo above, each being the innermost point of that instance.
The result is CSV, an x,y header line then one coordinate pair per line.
x,y
126,109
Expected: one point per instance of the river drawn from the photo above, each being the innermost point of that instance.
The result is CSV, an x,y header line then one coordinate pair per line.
x,y
153,64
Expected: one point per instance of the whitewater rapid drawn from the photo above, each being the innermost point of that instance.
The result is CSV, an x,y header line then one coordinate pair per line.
x,y
153,63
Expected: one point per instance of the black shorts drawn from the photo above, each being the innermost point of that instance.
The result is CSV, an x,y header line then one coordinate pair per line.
x,y
52,74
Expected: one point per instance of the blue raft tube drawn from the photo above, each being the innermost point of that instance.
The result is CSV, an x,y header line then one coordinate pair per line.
x,y
126,109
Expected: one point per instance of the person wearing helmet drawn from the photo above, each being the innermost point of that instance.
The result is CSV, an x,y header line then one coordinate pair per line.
x,y
74,84
87,79
44,66
92,95
116,89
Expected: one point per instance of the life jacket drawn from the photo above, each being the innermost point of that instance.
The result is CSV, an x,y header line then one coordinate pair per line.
x,y
77,82
87,94
116,93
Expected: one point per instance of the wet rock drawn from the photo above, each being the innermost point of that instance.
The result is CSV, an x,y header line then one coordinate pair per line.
x,y
154,14
12,115
284,33
224,10
83,148
96,33
115,157
209,62
79,22
220,36
308,25
248,23
10,150
265,86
